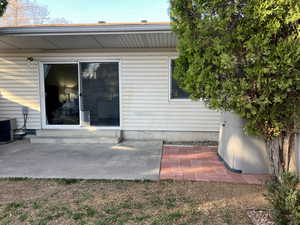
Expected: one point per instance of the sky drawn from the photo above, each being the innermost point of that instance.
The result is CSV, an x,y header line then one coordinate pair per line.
x,y
92,11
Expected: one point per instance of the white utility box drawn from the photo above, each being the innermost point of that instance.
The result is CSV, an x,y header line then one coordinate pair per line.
x,y
239,151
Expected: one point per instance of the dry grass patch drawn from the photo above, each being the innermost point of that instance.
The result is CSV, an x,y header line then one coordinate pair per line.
x,y
59,202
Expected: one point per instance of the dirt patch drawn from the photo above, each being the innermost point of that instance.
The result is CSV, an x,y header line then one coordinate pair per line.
x,y
127,202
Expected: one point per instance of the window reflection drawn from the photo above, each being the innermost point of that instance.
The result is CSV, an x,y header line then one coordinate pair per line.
x,y
176,91
100,93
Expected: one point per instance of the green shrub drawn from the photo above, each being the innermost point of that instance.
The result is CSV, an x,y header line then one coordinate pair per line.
x,y
285,200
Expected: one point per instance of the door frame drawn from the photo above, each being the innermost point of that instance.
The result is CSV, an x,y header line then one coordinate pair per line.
x,y
44,124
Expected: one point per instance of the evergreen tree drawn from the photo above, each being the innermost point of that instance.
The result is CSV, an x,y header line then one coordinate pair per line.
x,y
243,56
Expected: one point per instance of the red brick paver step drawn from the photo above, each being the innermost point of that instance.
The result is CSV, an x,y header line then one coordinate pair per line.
x,y
201,163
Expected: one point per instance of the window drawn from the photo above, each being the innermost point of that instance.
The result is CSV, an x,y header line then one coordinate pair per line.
x,y
176,91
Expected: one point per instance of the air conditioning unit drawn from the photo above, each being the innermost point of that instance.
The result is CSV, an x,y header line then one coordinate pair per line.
x,y
7,127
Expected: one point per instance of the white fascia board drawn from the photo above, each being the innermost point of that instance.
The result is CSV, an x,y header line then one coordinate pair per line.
x,y
85,30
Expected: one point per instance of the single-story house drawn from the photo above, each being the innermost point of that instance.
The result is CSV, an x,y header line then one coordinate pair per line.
x,y
95,83
100,79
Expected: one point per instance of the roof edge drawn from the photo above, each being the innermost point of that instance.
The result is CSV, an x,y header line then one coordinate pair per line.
x,y
73,29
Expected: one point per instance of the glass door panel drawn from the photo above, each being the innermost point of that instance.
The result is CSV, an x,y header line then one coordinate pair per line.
x,y
61,94
100,93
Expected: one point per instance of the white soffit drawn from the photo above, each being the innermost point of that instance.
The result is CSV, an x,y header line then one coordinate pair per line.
x,y
73,42
4,45
26,42
147,40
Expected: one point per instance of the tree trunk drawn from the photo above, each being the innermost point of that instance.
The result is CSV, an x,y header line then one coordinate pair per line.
x,y
280,150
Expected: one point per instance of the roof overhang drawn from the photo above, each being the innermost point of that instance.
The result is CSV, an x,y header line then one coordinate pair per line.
x,y
87,36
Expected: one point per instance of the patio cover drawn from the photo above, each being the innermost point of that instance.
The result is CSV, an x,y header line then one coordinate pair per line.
x,y
87,36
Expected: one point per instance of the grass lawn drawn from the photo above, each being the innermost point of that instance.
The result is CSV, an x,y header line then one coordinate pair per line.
x,y
123,202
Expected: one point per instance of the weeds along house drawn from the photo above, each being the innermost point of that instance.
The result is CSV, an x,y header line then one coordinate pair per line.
x,y
98,83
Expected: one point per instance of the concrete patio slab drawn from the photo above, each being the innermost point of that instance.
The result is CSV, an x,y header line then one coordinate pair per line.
x,y
125,161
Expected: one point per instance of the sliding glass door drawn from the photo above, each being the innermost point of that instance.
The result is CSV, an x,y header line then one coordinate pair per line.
x,y
81,94
61,94
100,93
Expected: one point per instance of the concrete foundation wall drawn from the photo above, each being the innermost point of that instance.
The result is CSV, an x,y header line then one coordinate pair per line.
x,y
172,136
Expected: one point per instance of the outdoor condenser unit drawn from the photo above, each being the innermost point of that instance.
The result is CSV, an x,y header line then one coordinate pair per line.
x,y
7,127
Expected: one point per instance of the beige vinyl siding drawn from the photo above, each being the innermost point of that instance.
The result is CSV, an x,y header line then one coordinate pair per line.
x,y
145,103
19,86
